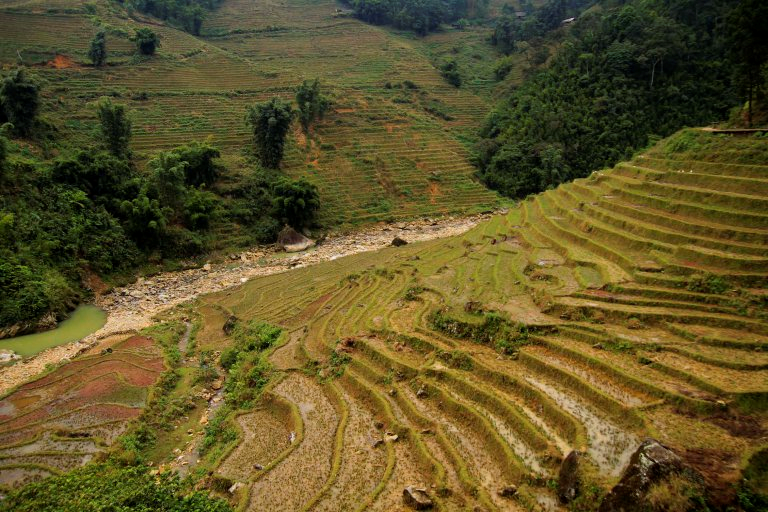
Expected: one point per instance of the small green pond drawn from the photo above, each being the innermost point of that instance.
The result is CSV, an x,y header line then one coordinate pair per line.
x,y
83,321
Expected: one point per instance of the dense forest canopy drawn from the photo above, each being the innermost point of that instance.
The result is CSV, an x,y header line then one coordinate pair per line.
x,y
623,73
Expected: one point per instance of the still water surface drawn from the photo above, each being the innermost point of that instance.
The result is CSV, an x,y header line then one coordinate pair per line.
x,y
83,321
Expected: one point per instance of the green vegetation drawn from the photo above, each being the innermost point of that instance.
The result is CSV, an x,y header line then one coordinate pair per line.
x,y
108,486
621,74
296,202
450,71
419,16
311,103
247,374
146,41
98,50
270,122
19,101
188,15
115,127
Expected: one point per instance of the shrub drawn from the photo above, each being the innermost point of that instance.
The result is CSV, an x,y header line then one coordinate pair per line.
x,y
708,283
146,41
108,486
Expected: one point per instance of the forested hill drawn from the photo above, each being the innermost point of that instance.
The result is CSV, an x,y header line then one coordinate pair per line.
x,y
624,74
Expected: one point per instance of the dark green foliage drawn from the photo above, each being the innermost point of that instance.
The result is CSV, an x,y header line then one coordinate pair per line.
x,y
420,16
187,14
450,71
507,32
200,208
622,74
146,41
19,101
502,68
98,49
494,330
115,127
107,486
752,494
201,168
708,283
248,373
296,202
270,122
748,47
311,103
3,153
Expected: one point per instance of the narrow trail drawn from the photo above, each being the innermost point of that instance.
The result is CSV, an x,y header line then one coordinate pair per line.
x,y
133,307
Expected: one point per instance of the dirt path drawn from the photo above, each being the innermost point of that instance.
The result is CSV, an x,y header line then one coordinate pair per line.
x,y
133,307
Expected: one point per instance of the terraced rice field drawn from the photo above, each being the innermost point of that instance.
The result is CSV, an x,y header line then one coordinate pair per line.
x,y
622,344
385,151
64,419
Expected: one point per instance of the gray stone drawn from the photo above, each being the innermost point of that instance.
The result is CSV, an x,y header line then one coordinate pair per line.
x,y
417,498
569,479
652,463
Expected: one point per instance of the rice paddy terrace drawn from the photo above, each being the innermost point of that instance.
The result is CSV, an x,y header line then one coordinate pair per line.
x,y
642,293
66,418
395,144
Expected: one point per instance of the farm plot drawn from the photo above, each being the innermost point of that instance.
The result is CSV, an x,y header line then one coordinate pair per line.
x,y
60,421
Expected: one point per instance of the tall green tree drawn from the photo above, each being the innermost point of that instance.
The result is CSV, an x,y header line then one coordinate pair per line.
x,y
98,50
146,41
312,105
115,127
20,101
296,202
270,122
747,26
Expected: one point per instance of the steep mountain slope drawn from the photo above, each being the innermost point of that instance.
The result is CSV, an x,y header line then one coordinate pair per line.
x,y
386,150
632,304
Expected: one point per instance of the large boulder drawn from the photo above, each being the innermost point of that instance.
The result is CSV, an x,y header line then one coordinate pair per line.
x,y
416,498
291,240
569,479
654,476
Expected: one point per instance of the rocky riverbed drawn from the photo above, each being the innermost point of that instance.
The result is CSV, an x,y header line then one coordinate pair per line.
x,y
134,306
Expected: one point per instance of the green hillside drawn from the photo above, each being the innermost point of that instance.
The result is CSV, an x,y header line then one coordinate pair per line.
x,y
384,151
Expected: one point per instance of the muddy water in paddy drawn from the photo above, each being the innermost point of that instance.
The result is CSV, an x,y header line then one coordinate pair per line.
x,y
610,447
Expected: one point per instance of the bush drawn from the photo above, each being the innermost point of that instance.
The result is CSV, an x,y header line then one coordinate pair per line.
x,y
146,41
708,283
450,71
98,487
19,101
296,202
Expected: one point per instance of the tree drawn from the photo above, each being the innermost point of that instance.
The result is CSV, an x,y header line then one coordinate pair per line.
x,y
450,71
296,202
20,101
146,41
748,45
311,103
98,50
115,127
270,122
201,169
168,179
